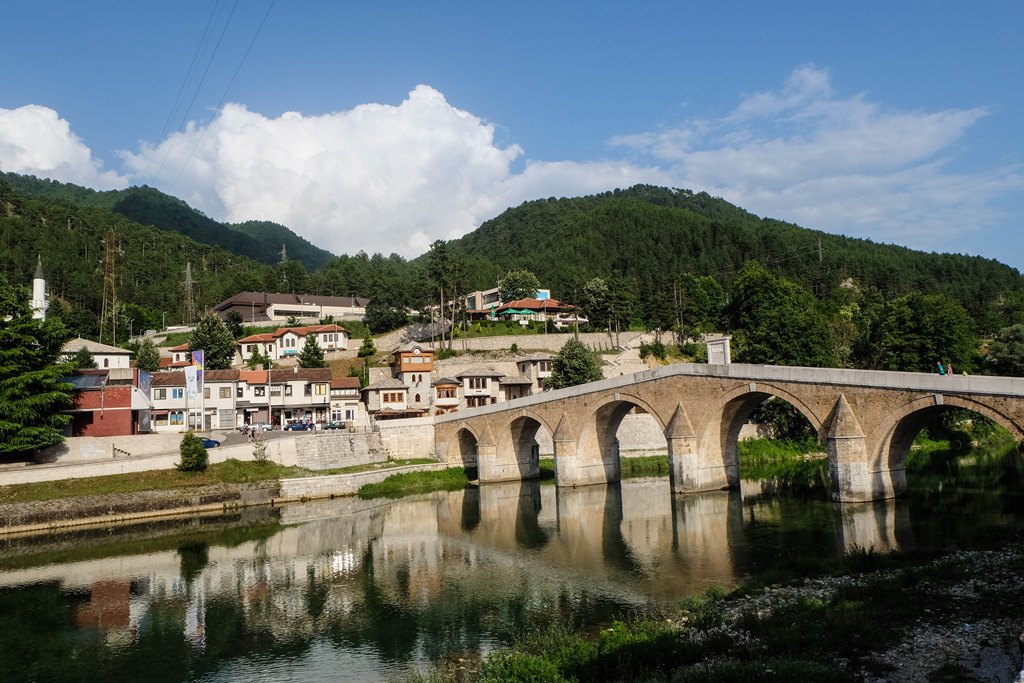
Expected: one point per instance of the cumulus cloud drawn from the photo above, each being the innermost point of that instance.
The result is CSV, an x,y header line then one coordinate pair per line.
x,y
394,178
34,140
838,164
377,177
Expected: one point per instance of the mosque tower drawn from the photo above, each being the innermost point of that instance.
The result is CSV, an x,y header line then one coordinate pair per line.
x,y
39,291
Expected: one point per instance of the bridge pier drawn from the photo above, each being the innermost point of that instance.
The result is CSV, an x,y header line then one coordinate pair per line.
x,y
854,478
690,470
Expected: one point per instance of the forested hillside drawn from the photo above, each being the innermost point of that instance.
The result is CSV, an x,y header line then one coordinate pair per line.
x,y
650,235
260,241
150,263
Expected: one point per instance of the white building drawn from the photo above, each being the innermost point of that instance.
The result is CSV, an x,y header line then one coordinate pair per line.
x,y
105,356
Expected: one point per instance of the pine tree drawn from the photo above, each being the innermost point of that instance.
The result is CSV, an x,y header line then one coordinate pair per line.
x,y
211,335
32,386
147,357
83,359
367,349
312,356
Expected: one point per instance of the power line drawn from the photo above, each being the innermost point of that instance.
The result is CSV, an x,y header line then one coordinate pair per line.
x,y
202,80
226,89
184,82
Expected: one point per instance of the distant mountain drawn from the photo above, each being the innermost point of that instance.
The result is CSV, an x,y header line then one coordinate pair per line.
x,y
273,234
149,206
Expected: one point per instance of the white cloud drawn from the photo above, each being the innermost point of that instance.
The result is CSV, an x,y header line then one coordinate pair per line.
x,y
842,165
377,178
34,140
396,177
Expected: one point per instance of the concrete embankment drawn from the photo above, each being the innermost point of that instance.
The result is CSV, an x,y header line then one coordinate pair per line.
x,y
129,508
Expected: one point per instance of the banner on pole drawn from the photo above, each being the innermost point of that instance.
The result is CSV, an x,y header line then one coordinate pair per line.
x,y
191,385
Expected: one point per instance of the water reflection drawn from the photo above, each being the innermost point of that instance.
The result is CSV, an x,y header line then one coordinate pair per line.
x,y
357,590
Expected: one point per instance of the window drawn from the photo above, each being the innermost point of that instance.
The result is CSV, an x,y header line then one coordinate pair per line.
x,y
321,389
251,348
477,382
239,391
392,397
287,389
259,391
446,392
177,417
308,389
177,393
275,390
417,399
206,392
106,362
159,394
225,392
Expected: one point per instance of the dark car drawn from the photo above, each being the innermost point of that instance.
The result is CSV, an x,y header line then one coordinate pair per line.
x,y
297,427
335,425
209,443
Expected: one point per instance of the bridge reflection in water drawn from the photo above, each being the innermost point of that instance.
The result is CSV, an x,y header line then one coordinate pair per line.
x,y
444,573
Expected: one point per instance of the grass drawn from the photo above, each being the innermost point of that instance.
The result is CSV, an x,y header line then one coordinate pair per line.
x,y
229,472
408,483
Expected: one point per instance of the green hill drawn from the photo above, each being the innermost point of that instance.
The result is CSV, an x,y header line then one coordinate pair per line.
x,y
650,235
259,241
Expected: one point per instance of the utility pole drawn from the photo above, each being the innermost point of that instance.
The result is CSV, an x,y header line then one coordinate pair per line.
x,y
189,305
108,312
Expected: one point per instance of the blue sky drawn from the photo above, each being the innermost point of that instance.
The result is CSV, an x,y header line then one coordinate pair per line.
x,y
384,126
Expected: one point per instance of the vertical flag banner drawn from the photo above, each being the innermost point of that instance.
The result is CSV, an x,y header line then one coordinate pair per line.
x,y
190,379
197,362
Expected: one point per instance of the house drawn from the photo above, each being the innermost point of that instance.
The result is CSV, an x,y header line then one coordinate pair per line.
x,y
178,357
263,306
511,387
110,402
526,310
446,395
481,305
174,409
413,365
104,355
230,398
345,401
287,342
388,398
536,368
480,386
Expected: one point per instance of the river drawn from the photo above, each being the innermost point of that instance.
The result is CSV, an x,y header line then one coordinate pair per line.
x,y
358,590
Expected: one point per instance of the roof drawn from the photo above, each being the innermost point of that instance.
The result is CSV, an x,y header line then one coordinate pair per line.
x,y
412,346
536,356
297,331
249,298
535,305
345,383
179,347
446,382
517,379
82,380
93,347
479,372
297,373
389,383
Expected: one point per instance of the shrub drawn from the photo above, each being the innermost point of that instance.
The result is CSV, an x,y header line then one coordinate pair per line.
x,y
514,348
194,457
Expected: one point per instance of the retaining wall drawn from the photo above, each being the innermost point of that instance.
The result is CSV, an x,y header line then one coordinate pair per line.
x,y
409,438
344,484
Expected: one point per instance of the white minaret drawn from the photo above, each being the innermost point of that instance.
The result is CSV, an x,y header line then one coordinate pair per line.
x,y
39,292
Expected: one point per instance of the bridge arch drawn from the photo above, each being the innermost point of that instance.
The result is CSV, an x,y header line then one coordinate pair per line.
x,y
896,434
718,436
522,445
467,441
597,440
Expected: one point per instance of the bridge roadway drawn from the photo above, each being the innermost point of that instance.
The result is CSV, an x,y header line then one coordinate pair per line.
x,y
867,420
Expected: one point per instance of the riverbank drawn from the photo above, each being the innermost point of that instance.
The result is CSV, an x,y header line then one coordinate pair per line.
x,y
895,618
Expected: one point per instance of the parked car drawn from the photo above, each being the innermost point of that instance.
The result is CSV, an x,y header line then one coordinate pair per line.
x,y
209,443
297,427
258,426
336,425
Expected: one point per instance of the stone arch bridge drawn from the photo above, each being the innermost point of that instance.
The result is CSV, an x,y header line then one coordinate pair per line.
x,y
866,419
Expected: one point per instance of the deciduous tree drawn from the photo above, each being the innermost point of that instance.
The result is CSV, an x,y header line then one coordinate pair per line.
x,y
213,337
1006,352
573,364
518,284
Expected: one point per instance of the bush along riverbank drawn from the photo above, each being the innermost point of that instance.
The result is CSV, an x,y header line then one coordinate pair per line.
x,y
871,617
